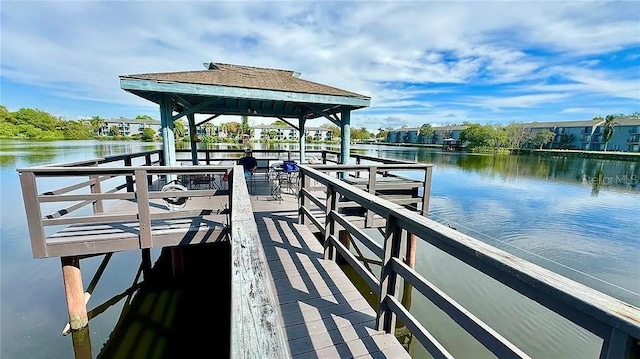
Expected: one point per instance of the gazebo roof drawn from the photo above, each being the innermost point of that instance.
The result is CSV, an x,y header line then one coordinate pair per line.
x,y
226,89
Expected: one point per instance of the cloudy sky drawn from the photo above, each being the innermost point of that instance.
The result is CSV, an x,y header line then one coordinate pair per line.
x,y
421,61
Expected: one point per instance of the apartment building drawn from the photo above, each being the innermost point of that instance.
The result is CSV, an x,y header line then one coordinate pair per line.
x,y
580,135
128,127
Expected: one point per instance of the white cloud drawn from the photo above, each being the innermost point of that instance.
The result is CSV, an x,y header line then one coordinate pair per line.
x,y
395,52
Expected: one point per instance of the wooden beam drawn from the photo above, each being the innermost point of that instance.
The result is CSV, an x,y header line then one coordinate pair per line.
x,y
195,108
289,123
208,119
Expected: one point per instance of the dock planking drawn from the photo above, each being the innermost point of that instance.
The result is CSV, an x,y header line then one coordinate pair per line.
x,y
323,313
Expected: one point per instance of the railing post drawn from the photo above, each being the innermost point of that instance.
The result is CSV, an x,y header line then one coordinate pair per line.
x,y
371,188
127,163
357,163
144,214
324,157
386,319
617,346
95,188
147,162
29,187
426,190
303,201
329,223
207,156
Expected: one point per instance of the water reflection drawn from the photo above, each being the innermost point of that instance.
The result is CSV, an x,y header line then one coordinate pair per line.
x,y
598,173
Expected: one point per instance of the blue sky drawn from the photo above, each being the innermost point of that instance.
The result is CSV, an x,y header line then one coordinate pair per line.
x,y
421,62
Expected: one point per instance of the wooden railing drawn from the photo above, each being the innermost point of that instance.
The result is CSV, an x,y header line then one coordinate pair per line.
x,y
88,190
616,322
256,331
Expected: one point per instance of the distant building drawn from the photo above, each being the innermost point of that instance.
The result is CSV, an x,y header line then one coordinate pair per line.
x,y
128,127
581,135
436,136
262,132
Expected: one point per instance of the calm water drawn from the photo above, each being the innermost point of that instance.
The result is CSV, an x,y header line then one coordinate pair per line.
x,y
579,217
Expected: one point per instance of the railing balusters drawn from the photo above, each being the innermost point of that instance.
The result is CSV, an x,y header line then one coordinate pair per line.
x,y
386,319
32,208
371,188
329,223
96,188
144,214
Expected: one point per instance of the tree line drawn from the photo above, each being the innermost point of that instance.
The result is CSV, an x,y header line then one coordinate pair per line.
x,y
35,124
517,135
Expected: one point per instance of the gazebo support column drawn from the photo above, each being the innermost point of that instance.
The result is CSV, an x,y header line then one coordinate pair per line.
x,y
345,136
166,123
74,292
302,139
192,133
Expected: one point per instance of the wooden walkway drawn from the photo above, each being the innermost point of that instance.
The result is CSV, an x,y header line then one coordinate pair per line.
x,y
324,314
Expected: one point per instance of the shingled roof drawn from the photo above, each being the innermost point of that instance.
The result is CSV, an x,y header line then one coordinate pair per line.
x,y
230,75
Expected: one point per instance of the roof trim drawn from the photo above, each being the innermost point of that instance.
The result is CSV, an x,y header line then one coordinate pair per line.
x,y
133,84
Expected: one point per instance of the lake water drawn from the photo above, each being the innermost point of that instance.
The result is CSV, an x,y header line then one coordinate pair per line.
x,y
578,217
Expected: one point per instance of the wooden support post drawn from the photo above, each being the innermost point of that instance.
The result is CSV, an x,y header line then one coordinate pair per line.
x,y
147,162
207,156
127,163
29,187
82,343
95,188
74,292
371,188
144,213
329,223
177,262
426,190
345,239
358,163
324,157
386,319
617,346
146,264
410,254
303,201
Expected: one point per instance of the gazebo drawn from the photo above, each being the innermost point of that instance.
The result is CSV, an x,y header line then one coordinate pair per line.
x,y
226,89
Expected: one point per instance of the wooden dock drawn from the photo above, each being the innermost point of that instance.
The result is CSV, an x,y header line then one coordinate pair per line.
x,y
323,313
288,295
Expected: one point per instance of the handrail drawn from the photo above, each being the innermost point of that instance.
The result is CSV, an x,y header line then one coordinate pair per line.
x,y
256,331
613,320
97,176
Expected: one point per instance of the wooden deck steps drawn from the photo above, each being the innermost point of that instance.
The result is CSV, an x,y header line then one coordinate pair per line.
x,y
324,314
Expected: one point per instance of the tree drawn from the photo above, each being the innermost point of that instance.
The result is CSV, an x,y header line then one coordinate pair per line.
x,y
96,123
607,129
335,130
144,118
476,135
280,123
566,141
114,131
245,129
179,130
426,131
233,128
543,137
517,135
37,118
148,134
